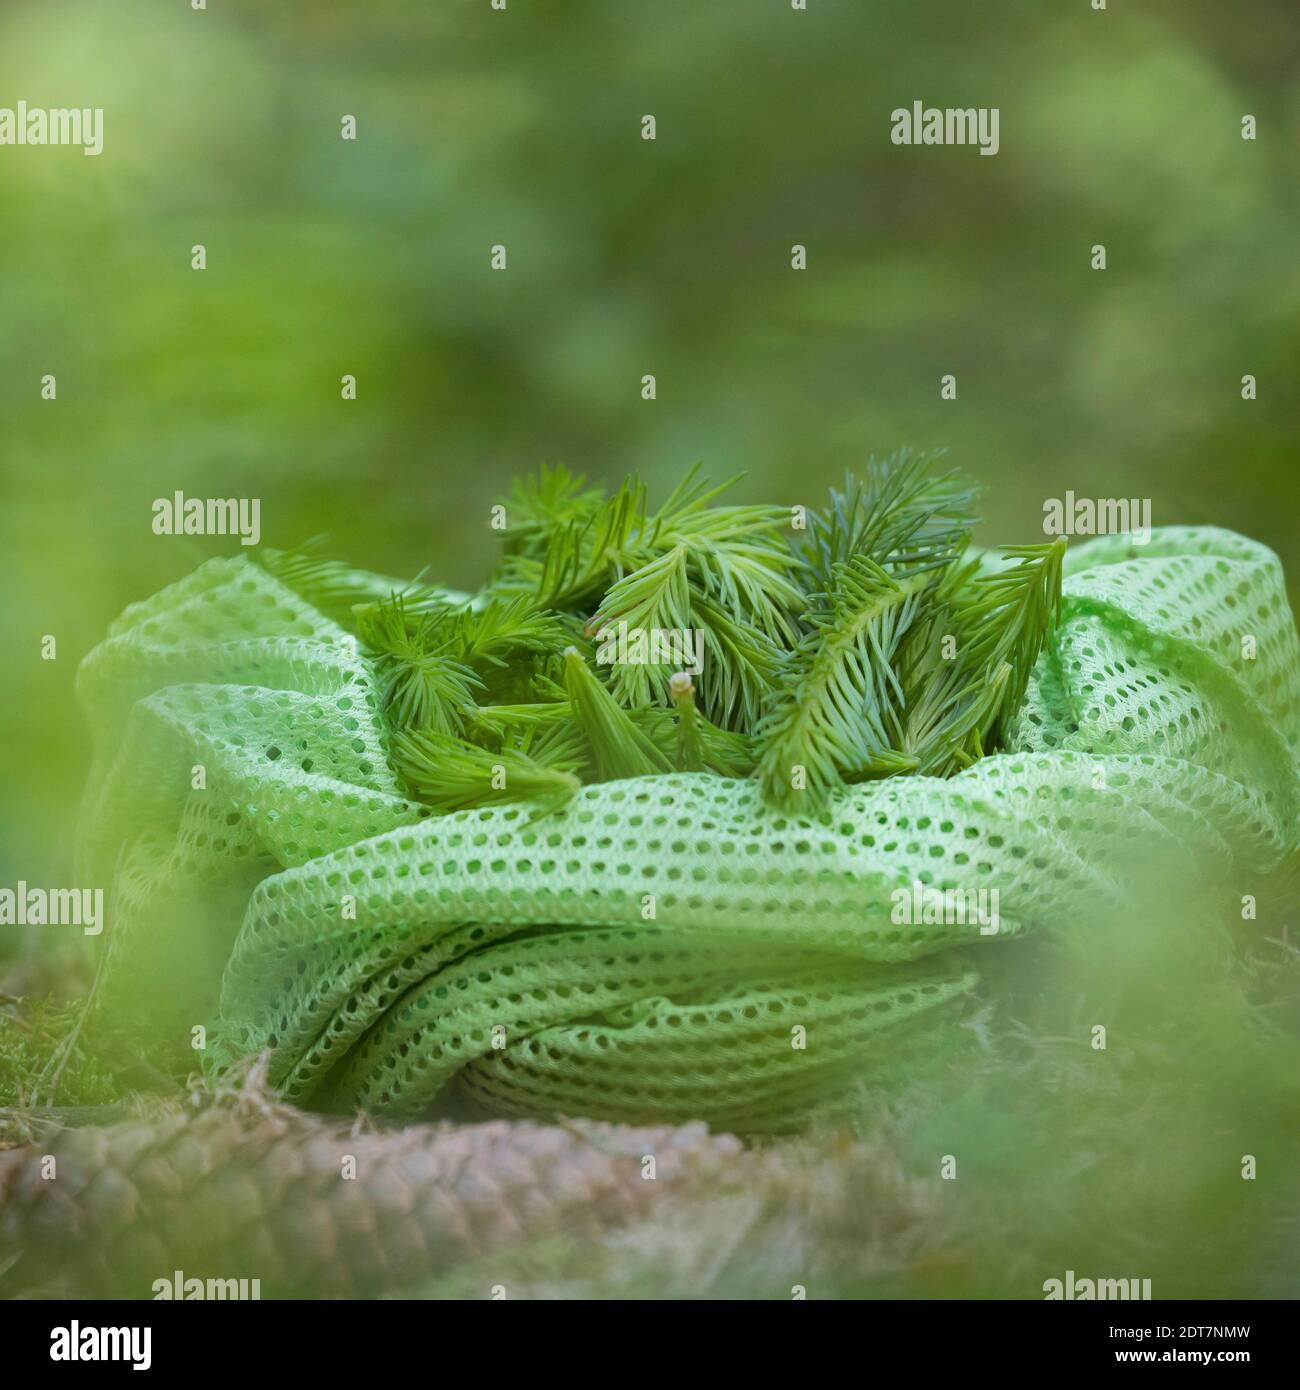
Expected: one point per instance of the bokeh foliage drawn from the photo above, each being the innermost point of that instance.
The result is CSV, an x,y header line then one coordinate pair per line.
x,y
628,257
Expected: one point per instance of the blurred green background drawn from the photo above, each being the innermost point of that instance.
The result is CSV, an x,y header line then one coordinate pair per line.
x,y
626,257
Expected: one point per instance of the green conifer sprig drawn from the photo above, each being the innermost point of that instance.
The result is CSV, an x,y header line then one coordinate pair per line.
x,y
500,630
967,669
831,720
424,686
450,775
740,669
899,514
539,504
619,746
495,723
698,745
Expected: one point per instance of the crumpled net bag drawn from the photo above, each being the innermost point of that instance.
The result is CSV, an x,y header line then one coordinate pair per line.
x,y
271,879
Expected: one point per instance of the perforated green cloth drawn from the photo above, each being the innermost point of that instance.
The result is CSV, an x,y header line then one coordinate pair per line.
x,y
667,947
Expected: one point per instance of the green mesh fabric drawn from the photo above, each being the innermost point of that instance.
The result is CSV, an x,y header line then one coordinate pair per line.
x,y
666,947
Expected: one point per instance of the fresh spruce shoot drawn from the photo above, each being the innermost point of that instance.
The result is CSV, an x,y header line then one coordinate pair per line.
x,y
834,646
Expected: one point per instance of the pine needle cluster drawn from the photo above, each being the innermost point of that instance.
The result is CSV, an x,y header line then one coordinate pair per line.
x,y
832,645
